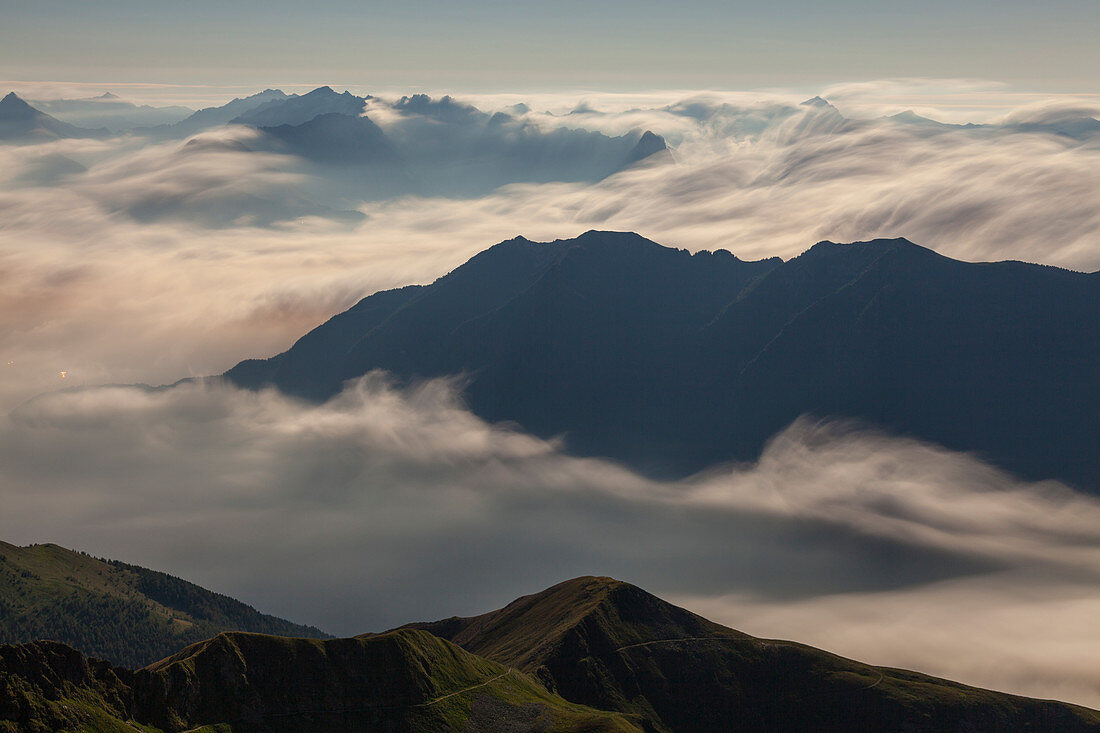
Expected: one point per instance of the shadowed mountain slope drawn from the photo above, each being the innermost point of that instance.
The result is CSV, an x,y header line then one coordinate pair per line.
x,y
611,645
214,116
336,138
672,361
20,122
296,110
112,610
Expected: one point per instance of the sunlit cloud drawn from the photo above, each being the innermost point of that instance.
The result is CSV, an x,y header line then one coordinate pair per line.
x,y
108,247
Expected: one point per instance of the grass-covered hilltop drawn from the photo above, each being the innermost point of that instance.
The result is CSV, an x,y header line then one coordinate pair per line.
x,y
111,610
590,654
612,645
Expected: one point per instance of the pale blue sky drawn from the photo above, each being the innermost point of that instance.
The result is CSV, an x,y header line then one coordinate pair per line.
x,y
497,44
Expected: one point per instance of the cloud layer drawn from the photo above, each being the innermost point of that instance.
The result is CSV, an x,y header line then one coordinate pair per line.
x,y
388,506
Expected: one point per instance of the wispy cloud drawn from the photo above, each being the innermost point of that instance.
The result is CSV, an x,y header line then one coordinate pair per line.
x,y
756,174
387,506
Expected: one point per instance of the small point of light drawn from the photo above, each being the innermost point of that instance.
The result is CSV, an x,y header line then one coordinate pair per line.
x,y
64,375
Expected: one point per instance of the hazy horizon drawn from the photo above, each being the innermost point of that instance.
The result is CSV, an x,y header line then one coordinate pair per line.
x,y
621,45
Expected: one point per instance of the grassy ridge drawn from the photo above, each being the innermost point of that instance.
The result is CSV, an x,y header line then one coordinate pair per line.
x,y
591,654
245,683
611,645
112,610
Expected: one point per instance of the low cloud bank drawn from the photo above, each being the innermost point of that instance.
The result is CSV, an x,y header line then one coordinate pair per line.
x,y
387,506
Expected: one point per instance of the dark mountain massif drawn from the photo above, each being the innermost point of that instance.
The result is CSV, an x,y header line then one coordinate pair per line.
x,y
20,122
672,361
590,654
115,611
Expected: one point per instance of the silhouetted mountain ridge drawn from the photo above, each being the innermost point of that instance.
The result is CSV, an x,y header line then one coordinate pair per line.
x,y
299,109
673,361
20,122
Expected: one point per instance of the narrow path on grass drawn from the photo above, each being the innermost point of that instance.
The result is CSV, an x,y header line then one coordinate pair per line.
x,y
671,641
452,694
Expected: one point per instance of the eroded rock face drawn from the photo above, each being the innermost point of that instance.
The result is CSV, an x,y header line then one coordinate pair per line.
x,y
46,685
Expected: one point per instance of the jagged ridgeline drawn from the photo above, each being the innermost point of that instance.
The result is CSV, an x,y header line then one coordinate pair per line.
x,y
111,610
673,361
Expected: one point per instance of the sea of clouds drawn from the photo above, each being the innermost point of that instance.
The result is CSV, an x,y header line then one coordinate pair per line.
x,y
128,260
387,506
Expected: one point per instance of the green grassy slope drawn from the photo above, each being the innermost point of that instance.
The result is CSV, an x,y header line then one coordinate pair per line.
x,y
248,683
404,680
112,610
610,645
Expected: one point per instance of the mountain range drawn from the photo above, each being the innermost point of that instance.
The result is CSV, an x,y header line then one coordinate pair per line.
x,y
590,654
433,147
110,111
273,107
428,147
672,362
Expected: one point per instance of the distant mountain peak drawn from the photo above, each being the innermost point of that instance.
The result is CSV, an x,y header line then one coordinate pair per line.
x,y
327,91
108,95
13,103
613,235
907,114
21,121
599,239
649,144
879,243
818,102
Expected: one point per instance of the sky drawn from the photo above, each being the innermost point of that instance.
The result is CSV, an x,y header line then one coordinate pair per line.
x,y
493,44
129,260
